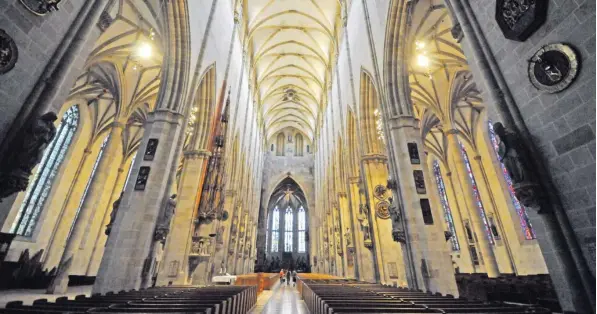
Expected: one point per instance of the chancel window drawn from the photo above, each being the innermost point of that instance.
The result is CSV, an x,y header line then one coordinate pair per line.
x,y
302,247
38,190
525,223
477,195
288,220
275,229
445,205
82,201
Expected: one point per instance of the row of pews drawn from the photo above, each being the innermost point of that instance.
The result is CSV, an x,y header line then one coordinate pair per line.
x,y
350,296
209,300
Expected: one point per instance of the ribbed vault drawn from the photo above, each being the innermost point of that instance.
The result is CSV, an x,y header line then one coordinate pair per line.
x,y
293,44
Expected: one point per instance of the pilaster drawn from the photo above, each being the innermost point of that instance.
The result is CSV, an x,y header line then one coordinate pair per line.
x,y
131,239
174,266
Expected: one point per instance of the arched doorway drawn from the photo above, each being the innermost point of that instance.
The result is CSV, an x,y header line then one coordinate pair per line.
x,y
287,230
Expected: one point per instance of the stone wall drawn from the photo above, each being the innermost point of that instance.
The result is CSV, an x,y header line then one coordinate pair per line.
x,y
563,124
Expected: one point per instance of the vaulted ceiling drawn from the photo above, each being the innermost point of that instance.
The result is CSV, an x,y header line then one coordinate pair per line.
x,y
293,44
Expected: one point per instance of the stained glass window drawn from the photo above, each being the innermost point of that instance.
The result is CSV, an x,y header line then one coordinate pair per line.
x,y
288,230
525,223
476,193
275,229
39,188
445,205
302,247
82,201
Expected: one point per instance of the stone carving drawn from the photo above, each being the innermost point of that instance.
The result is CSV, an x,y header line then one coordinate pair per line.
x,y
142,178
41,7
519,19
347,237
516,158
553,68
457,32
27,154
382,210
397,230
163,226
380,192
9,54
200,246
105,21
115,207
220,235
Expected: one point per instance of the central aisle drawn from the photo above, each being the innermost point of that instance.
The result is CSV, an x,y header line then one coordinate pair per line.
x,y
284,300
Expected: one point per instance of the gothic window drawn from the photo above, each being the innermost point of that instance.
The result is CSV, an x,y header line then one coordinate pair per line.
x,y
128,175
445,205
302,247
39,188
476,194
298,142
275,229
288,230
525,223
82,201
280,141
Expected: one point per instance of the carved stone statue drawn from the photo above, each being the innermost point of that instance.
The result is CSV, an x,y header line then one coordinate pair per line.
x,y
397,230
163,225
27,154
347,237
113,214
515,157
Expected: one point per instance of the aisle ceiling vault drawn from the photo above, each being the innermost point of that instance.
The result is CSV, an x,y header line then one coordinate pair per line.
x,y
292,44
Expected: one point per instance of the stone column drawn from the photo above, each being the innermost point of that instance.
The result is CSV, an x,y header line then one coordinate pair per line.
x,y
99,235
223,234
338,246
240,248
132,235
90,204
347,236
426,255
363,255
174,266
466,264
485,249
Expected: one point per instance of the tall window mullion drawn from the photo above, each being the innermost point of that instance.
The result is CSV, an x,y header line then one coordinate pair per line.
x,y
82,201
476,194
302,247
525,223
445,205
288,230
275,229
37,193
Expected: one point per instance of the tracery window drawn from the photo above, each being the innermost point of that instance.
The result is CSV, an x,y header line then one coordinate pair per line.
x,y
37,192
445,205
82,201
275,229
302,247
476,194
525,223
288,230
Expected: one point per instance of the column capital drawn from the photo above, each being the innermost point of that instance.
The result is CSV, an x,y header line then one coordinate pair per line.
x,y
398,122
117,124
197,154
165,115
354,180
477,158
449,173
451,131
87,151
120,170
342,194
372,158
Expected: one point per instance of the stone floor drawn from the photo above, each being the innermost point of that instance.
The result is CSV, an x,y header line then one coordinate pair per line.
x,y
282,299
30,295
